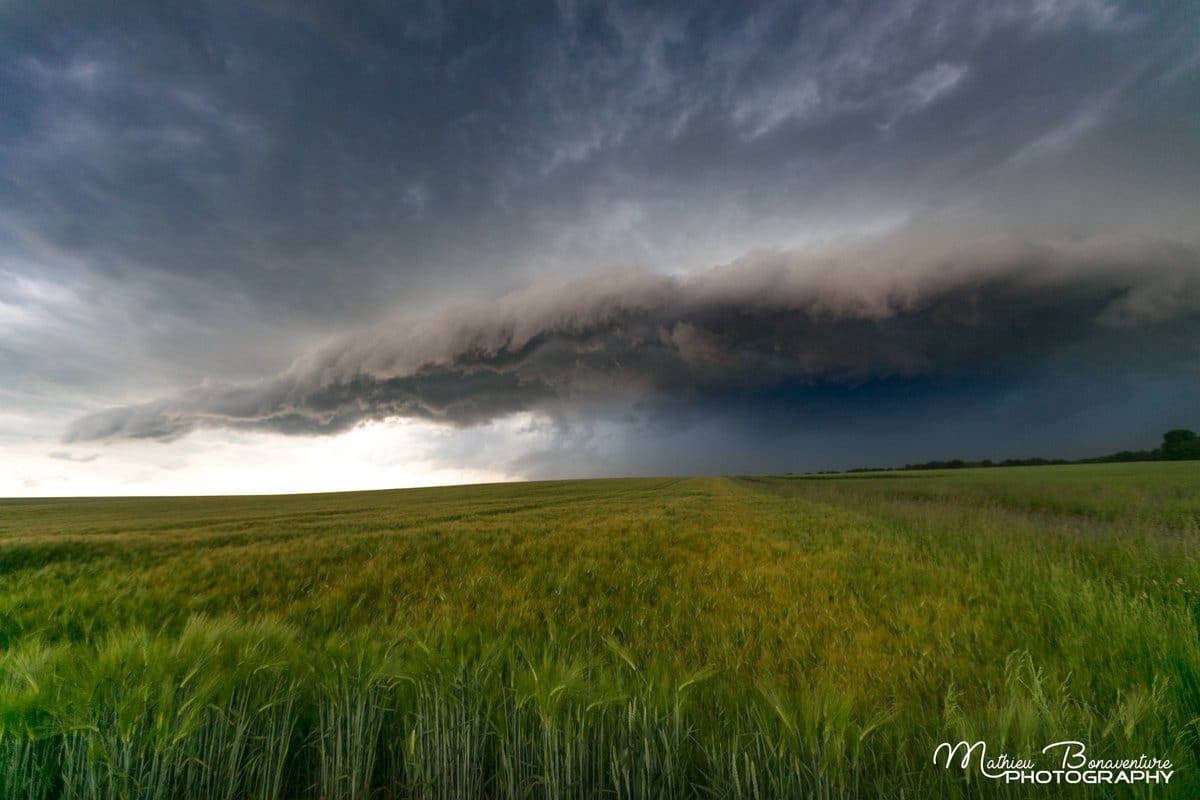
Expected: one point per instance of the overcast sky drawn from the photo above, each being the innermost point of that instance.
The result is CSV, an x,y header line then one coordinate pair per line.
x,y
294,247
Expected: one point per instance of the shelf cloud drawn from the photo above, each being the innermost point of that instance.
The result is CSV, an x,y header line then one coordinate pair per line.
x,y
769,322
612,236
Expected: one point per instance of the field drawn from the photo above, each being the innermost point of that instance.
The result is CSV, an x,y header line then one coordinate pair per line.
x,y
709,637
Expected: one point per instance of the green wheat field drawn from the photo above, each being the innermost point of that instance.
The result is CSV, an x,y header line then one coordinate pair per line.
x,y
770,637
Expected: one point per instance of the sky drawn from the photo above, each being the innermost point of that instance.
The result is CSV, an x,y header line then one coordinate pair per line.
x,y
284,247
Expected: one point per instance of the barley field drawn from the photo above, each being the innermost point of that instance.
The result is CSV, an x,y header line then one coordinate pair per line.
x,y
764,637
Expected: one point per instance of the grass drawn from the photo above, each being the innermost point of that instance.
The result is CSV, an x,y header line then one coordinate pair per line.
x,y
715,637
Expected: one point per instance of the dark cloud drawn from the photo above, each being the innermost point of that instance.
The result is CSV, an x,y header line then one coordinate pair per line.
x,y
330,163
772,327
193,193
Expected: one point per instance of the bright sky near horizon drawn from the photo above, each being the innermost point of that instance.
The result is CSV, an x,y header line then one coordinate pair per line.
x,y
271,247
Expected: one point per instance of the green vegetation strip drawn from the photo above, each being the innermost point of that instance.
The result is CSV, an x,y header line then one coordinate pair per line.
x,y
757,637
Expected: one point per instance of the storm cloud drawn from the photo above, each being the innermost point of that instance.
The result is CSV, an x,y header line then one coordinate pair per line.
x,y
770,323
582,237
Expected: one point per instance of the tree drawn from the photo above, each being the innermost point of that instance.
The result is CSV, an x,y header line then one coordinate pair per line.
x,y
1179,445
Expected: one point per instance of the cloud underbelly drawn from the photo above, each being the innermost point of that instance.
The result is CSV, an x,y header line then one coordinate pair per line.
x,y
772,322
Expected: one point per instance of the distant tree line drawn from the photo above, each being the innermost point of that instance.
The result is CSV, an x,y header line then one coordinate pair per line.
x,y
1177,445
